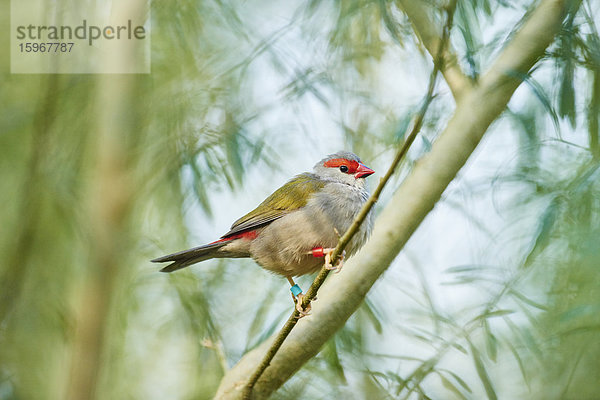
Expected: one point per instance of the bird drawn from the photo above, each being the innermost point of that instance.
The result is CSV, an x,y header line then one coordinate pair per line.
x,y
297,226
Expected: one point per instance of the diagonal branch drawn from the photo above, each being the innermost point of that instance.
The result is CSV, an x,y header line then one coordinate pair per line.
x,y
427,31
343,293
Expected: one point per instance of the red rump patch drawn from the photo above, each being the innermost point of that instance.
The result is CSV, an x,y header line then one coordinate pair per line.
x,y
248,235
338,162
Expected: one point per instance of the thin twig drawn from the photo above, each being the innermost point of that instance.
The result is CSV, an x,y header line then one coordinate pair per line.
x,y
345,239
426,30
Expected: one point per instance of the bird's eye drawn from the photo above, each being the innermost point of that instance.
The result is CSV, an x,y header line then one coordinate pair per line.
x,y
344,168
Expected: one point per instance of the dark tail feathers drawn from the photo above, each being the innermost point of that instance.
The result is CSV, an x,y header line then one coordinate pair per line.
x,y
188,257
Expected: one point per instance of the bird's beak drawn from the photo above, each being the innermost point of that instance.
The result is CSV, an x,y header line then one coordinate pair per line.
x,y
363,171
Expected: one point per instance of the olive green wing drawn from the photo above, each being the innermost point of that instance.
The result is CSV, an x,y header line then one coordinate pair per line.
x,y
290,197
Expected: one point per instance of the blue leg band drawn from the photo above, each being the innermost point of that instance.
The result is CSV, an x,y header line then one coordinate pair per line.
x,y
296,290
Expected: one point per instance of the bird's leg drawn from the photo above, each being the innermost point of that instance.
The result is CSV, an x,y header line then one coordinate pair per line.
x,y
321,252
297,296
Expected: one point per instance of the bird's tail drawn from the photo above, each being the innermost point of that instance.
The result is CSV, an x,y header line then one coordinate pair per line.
x,y
188,257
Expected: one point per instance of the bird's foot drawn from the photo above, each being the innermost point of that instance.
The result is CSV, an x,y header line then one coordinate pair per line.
x,y
321,252
302,312
338,265
297,296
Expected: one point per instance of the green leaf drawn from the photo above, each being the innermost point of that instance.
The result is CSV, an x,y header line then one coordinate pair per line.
x,y
527,300
540,93
332,359
482,373
373,315
491,346
566,93
460,381
497,313
519,360
450,386
545,228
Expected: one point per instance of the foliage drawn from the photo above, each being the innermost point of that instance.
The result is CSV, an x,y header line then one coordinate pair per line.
x,y
496,296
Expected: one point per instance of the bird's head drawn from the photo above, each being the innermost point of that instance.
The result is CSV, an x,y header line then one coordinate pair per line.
x,y
343,167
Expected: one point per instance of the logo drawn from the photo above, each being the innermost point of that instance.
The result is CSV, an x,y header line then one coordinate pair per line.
x,y
111,37
90,33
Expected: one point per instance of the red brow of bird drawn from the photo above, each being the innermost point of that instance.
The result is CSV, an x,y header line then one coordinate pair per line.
x,y
338,162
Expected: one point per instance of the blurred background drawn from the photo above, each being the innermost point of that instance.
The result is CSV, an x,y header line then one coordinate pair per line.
x,y
497,295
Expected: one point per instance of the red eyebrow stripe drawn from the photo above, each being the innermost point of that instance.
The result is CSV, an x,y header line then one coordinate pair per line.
x,y
338,162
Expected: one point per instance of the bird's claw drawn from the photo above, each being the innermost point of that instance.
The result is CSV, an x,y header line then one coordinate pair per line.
x,y
338,265
302,312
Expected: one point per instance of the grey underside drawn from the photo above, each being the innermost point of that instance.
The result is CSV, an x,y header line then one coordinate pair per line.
x,y
285,244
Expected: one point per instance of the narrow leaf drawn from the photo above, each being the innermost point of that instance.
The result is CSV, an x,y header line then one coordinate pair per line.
x,y
481,371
